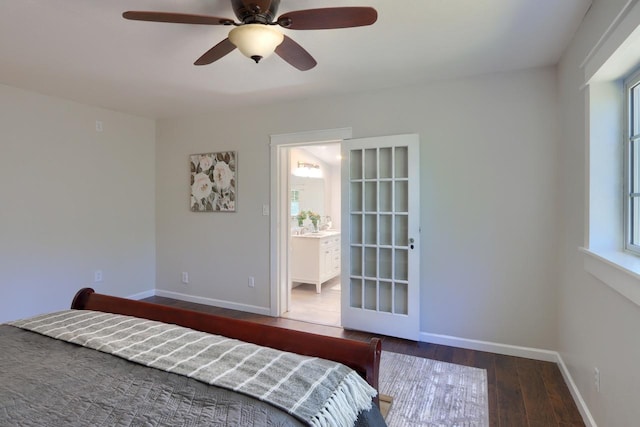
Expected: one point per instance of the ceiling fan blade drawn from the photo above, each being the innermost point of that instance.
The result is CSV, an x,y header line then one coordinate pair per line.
x,y
295,54
328,18
176,18
215,53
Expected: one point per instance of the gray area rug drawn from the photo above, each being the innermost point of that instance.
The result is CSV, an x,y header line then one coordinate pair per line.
x,y
431,393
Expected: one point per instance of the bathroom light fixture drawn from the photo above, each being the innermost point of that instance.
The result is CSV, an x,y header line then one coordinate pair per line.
x,y
308,170
308,165
256,41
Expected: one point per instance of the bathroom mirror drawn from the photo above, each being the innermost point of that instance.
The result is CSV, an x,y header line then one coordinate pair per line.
x,y
310,194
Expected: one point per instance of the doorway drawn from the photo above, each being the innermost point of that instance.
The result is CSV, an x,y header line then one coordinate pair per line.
x,y
314,237
282,220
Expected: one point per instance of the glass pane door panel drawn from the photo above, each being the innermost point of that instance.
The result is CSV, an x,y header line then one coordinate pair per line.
x,y
370,229
400,264
400,298
356,261
386,163
355,164
402,162
356,229
385,230
370,295
386,264
386,196
370,262
371,163
371,196
356,197
402,196
356,293
402,230
386,297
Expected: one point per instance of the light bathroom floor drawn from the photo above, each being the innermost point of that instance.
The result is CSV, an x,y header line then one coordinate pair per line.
x,y
309,306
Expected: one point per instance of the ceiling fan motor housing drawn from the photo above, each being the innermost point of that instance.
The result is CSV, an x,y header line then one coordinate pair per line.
x,y
256,11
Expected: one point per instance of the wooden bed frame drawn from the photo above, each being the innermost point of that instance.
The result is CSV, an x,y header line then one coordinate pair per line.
x,y
362,357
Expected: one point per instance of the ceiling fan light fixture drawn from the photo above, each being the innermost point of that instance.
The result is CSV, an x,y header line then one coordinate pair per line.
x,y
256,41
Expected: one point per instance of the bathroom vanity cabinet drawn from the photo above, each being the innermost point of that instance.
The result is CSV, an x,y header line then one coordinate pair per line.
x,y
315,257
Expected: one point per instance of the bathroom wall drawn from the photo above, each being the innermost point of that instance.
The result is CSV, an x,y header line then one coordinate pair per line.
x,y
331,182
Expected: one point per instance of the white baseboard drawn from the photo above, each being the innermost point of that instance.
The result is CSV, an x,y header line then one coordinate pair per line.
x,y
214,302
577,397
142,295
509,350
518,351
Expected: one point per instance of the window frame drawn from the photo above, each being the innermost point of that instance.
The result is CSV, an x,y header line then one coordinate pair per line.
x,y
631,135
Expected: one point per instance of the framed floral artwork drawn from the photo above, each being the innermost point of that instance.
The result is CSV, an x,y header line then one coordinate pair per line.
x,y
213,182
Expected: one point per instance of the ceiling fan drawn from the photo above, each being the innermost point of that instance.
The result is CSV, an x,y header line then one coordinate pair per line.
x,y
255,36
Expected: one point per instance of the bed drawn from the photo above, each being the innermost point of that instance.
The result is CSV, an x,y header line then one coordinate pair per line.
x,y
161,365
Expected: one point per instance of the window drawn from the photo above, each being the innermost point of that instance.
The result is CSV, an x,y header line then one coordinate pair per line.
x,y
612,94
295,202
632,163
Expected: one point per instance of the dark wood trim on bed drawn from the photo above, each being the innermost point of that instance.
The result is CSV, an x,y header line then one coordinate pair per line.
x,y
362,357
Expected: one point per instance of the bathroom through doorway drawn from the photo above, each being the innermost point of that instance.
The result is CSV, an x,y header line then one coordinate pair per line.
x,y
314,234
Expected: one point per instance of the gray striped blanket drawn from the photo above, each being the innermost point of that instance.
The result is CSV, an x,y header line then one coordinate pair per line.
x,y
317,391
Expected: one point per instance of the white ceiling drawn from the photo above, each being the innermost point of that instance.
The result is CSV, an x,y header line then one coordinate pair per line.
x,y
85,51
328,153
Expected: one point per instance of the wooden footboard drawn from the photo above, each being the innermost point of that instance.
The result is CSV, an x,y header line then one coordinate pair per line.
x,y
362,357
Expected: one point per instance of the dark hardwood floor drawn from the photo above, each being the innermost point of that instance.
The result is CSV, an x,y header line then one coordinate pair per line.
x,y
522,392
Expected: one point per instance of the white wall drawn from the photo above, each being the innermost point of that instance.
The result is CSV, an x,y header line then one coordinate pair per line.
x,y
73,201
597,326
488,189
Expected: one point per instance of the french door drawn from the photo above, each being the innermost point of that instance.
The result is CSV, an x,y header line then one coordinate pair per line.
x,y
380,235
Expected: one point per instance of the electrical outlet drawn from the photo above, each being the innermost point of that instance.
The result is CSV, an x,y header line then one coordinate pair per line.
x,y
97,276
251,282
596,378
185,277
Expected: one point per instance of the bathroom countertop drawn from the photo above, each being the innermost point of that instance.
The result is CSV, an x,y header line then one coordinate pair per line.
x,y
319,234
